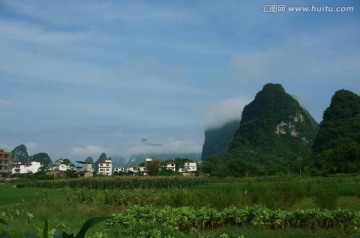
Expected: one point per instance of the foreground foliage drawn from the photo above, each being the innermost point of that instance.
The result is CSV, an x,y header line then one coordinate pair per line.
x,y
186,219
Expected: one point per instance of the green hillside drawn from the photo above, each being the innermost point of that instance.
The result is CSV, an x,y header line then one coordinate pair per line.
x,y
337,145
275,134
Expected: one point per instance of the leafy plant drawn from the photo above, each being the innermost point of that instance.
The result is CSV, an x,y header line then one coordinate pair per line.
x,y
4,234
3,221
59,234
186,219
87,225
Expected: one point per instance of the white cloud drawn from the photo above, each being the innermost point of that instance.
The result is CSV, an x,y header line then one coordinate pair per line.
x,y
91,150
219,112
170,146
49,55
258,66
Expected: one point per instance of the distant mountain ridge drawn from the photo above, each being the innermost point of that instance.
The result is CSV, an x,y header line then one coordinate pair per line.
x,y
20,154
217,140
337,145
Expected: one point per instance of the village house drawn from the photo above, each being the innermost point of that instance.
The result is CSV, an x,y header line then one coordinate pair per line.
x,y
31,167
142,170
105,167
132,169
60,167
84,169
190,167
170,166
5,163
119,169
181,170
63,165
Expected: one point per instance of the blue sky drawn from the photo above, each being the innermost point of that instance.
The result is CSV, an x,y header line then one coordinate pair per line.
x,y
79,78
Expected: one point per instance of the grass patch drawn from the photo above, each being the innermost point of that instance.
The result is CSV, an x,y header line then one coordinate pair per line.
x,y
13,195
349,202
26,209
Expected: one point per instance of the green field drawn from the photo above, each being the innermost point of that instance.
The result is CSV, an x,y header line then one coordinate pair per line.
x,y
68,208
12,195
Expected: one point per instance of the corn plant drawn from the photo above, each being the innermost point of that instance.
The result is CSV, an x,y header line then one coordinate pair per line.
x,y
118,182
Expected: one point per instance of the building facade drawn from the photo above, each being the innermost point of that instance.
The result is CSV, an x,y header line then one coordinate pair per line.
x,y
190,167
32,167
84,169
119,170
170,166
5,163
105,167
133,169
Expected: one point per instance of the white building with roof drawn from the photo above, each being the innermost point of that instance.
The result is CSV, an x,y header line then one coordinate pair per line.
x,y
190,167
105,167
31,167
170,166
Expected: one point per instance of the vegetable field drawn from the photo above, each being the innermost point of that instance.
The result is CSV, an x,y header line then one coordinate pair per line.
x,y
186,207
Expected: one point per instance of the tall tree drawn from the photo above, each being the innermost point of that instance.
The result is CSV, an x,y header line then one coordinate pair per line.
x,y
153,167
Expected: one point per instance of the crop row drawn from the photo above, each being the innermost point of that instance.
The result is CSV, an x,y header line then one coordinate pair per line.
x,y
280,195
186,218
118,182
